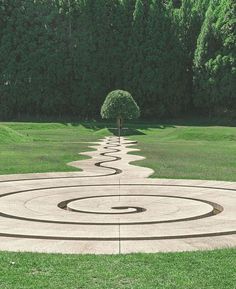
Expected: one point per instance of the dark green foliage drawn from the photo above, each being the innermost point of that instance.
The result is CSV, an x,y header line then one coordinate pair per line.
x,y
60,57
177,3
215,59
189,20
120,104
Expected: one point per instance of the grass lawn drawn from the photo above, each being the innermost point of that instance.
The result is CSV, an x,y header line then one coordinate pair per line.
x,y
189,152
195,270
32,148
173,151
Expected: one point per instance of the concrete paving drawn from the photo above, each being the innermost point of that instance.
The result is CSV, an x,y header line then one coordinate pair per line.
x,y
112,207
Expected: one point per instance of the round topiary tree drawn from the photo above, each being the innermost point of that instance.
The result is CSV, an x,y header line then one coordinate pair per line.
x,y
119,105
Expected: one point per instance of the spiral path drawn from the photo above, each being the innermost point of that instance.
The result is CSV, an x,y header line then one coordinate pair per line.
x,y
112,207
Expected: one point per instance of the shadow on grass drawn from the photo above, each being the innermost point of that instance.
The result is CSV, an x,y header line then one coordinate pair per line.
x,y
126,131
133,127
130,128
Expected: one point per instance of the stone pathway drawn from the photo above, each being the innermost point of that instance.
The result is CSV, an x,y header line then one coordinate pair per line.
x,y
112,207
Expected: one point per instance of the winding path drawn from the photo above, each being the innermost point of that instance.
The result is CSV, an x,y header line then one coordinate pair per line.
x,y
113,207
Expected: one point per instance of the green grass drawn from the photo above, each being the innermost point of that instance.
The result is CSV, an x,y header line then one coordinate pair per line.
x,y
44,147
173,151
189,152
8,135
195,270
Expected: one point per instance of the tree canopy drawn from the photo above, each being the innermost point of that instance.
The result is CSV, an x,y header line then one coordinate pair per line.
x,y
120,104
60,57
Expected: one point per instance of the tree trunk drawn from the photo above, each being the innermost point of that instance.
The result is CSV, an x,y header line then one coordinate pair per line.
x,y
119,125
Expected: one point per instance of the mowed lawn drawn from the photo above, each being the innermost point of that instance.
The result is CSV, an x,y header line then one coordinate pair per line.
x,y
189,152
44,147
195,270
173,151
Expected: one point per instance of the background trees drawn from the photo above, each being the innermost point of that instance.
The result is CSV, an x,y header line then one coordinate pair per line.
x,y
61,57
215,58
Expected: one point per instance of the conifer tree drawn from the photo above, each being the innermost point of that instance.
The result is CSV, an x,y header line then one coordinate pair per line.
x,y
138,44
215,59
60,57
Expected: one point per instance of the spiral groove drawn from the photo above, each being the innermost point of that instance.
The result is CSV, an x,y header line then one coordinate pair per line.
x,y
111,207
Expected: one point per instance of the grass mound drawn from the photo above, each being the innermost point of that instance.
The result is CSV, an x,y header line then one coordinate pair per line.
x,y
213,134
8,135
172,150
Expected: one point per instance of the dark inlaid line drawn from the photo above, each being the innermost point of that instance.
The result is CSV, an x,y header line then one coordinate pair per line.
x,y
109,145
216,209
150,238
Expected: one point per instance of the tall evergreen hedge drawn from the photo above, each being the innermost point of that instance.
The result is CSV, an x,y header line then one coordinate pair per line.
x,y
62,57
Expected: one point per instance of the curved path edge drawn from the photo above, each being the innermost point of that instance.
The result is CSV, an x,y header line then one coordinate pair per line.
x,y
112,207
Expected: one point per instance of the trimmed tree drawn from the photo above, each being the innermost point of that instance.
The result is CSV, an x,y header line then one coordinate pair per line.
x,y
119,105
